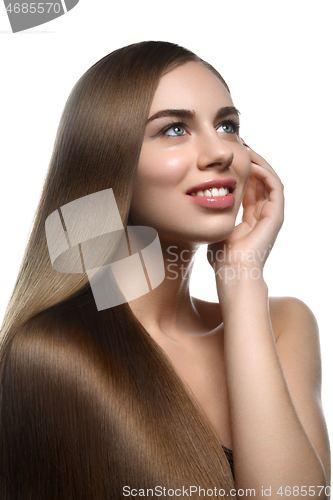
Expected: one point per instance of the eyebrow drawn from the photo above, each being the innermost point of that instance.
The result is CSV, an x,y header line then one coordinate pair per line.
x,y
189,114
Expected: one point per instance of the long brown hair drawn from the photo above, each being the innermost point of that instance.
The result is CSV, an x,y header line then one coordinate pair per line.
x,y
89,402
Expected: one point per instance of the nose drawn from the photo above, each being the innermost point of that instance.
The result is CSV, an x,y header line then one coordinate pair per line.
x,y
213,151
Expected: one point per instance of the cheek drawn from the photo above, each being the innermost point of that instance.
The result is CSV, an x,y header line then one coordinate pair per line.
x,y
244,166
158,171
156,185
243,170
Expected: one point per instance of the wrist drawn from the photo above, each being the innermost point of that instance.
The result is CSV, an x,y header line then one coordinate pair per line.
x,y
236,280
237,273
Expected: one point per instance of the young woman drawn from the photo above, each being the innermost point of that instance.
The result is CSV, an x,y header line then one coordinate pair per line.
x,y
165,395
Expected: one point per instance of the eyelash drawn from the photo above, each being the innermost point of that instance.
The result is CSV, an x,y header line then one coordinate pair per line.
x,y
172,125
235,125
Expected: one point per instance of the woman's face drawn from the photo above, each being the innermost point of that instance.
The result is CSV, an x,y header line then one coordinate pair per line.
x,y
191,145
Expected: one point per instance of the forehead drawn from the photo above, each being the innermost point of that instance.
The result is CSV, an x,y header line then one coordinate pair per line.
x,y
190,86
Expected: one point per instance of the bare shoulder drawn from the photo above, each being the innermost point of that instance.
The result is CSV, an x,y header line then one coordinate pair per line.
x,y
293,323
291,316
297,341
288,315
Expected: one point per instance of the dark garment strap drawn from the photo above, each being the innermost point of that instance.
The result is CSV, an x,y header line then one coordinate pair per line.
x,y
228,454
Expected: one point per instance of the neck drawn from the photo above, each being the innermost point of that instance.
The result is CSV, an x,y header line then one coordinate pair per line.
x,y
169,309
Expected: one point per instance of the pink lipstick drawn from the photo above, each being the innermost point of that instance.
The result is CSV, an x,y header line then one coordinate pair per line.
x,y
214,193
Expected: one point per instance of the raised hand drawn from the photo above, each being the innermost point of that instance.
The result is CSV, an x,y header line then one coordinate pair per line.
x,y
248,246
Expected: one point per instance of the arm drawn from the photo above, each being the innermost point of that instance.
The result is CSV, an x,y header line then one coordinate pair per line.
x,y
278,433
299,351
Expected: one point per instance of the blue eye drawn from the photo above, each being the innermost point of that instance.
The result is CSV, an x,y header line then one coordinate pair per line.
x,y
228,127
176,130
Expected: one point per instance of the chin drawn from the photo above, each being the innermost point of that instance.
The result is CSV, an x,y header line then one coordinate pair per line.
x,y
195,237
215,239
216,232
188,232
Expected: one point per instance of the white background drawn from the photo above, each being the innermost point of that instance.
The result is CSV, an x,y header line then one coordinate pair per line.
x,y
277,59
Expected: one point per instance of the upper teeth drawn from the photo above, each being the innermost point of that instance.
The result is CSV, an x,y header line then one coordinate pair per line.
x,y
213,192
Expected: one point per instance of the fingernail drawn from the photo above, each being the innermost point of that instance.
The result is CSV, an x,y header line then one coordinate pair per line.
x,y
244,144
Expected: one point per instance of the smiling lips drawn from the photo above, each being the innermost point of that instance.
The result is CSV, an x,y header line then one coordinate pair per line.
x,y
215,193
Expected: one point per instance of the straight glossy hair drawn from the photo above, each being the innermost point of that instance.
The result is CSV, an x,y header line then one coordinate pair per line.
x,y
89,402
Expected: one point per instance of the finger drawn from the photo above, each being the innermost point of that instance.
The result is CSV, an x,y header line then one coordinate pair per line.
x,y
259,160
273,185
249,197
261,190
267,175
262,163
